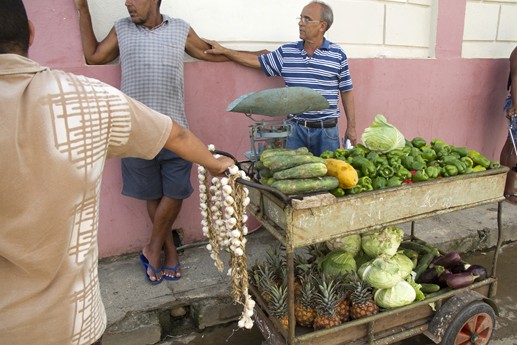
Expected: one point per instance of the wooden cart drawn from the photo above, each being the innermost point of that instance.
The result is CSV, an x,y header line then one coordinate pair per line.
x,y
461,316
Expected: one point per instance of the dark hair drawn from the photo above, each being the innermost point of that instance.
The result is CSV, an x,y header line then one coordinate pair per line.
x,y
327,15
14,28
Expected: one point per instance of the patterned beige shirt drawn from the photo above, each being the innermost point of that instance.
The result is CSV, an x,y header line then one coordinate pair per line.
x,y
56,132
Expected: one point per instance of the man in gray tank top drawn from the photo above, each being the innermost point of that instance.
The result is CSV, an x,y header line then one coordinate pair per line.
x,y
151,47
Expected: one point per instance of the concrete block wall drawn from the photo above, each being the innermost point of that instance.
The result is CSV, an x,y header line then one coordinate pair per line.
x,y
490,28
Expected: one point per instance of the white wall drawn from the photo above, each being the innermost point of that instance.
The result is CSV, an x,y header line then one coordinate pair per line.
x,y
365,28
490,28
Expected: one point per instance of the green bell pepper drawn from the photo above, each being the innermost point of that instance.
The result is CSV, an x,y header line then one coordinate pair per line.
x,y
338,192
362,163
379,182
420,176
407,161
478,168
403,173
469,163
449,170
354,190
418,142
460,150
417,165
432,171
372,156
429,155
327,154
494,165
340,153
479,159
394,181
385,171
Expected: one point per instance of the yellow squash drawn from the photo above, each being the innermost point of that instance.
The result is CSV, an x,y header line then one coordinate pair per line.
x,y
343,171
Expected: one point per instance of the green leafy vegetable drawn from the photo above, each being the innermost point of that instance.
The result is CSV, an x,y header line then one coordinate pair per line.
x,y
382,136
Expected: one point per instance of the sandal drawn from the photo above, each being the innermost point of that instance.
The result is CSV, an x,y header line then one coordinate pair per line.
x,y
509,197
146,265
173,269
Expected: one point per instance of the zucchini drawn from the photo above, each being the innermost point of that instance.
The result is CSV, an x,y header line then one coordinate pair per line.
x,y
423,263
282,162
308,170
420,247
290,152
306,185
265,173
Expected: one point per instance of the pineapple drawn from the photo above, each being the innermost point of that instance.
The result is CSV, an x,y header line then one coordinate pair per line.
x,y
278,304
361,299
304,307
277,264
327,299
265,279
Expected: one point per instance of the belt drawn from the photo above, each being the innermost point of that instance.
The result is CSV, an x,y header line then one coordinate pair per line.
x,y
316,123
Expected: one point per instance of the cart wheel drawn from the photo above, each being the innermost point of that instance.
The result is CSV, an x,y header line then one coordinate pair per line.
x,y
473,325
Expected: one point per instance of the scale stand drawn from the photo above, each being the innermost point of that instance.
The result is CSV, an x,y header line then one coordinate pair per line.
x,y
278,102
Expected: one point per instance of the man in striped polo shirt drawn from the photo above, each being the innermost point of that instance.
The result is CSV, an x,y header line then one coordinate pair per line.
x,y
313,62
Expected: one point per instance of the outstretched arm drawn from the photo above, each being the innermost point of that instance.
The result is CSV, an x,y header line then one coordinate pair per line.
x,y
95,53
189,147
248,59
196,48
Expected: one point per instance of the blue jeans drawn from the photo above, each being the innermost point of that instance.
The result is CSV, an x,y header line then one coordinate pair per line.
x,y
513,121
316,140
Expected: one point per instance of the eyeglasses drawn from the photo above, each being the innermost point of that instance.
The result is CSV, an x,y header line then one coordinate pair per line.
x,y
307,20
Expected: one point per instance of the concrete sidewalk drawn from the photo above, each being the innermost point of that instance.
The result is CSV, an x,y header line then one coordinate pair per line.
x,y
139,313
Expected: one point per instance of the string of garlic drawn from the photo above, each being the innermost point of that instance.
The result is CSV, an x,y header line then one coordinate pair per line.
x,y
223,204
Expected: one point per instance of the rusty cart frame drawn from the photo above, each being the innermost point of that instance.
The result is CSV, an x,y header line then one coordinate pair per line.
x,y
298,222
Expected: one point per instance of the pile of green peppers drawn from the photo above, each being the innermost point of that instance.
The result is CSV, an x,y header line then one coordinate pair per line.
x,y
417,161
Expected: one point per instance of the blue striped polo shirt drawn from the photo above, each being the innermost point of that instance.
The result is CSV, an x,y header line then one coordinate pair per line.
x,y
326,72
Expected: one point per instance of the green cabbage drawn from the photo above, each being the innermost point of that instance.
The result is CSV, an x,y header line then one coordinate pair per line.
x,y
382,273
350,244
382,136
338,262
399,295
405,264
384,241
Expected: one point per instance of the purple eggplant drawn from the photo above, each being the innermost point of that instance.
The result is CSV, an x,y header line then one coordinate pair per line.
x,y
431,275
461,267
459,280
448,260
478,270
442,279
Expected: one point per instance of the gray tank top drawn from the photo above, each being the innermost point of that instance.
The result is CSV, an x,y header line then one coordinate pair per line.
x,y
152,64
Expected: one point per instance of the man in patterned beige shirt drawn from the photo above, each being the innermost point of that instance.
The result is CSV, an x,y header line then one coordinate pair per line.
x,y
56,132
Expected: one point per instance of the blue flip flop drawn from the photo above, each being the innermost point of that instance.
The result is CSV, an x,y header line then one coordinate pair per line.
x,y
174,269
146,265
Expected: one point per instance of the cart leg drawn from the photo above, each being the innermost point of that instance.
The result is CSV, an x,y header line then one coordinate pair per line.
x,y
290,294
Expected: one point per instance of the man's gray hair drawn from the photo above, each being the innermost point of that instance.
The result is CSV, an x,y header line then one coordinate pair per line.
x,y
326,13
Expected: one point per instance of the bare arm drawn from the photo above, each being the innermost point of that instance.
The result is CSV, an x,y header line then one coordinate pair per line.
x,y
189,147
248,59
513,76
347,98
196,48
95,53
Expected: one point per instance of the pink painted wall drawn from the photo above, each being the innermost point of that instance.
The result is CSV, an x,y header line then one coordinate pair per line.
x,y
458,100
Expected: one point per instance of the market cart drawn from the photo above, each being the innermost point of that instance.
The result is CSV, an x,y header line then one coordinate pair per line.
x,y
460,316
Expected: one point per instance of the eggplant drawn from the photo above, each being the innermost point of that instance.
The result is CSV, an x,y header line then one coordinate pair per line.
x,y
442,279
461,267
478,270
431,275
448,260
459,280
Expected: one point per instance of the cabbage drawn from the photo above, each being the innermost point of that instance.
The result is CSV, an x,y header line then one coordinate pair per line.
x,y
381,273
338,262
384,241
405,264
399,295
350,244
382,136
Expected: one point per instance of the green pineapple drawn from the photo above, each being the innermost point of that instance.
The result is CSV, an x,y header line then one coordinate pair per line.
x,y
327,300
305,311
361,299
278,304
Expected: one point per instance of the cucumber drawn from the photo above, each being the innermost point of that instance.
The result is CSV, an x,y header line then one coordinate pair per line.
x,y
308,170
282,162
429,288
265,173
306,185
275,152
420,247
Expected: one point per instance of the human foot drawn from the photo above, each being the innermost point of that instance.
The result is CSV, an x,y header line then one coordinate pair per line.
x,y
171,273
153,275
511,198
